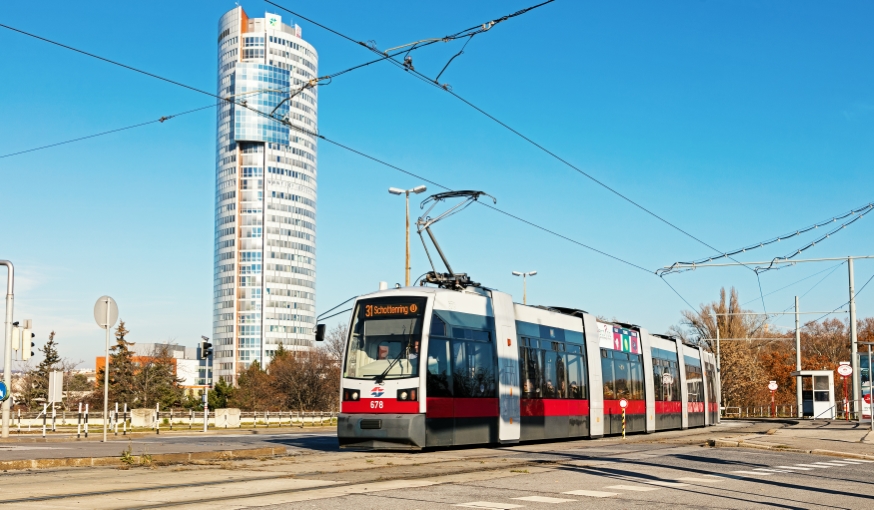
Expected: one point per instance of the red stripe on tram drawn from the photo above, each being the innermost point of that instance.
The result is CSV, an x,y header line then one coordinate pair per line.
x,y
695,407
665,407
634,407
441,407
379,406
553,407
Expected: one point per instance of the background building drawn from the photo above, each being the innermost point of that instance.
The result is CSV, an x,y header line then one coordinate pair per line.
x,y
265,193
193,371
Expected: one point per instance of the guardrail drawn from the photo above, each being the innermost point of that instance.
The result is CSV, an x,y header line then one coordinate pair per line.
x,y
121,422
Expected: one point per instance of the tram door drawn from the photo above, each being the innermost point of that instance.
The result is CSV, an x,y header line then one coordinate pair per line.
x,y
509,425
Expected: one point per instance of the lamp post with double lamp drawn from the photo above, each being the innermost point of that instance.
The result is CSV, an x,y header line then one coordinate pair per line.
x,y
524,284
398,191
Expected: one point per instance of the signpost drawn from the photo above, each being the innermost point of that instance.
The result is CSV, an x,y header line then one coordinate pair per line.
x,y
623,404
773,387
4,391
106,313
845,370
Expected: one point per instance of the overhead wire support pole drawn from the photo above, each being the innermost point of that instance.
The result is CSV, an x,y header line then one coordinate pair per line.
x,y
7,352
798,394
854,348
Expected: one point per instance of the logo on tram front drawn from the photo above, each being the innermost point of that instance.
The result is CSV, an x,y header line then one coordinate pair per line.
x,y
377,391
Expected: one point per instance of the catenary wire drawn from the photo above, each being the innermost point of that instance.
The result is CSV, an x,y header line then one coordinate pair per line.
x,y
794,283
322,137
95,135
508,127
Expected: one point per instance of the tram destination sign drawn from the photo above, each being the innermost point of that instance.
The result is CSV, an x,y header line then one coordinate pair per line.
x,y
392,310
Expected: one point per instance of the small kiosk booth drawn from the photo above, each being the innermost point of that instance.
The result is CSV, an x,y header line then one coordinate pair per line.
x,y
817,394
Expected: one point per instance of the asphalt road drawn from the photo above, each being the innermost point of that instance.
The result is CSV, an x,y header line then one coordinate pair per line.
x,y
670,470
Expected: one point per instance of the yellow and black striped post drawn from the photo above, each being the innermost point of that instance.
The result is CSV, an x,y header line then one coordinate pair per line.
x,y
623,423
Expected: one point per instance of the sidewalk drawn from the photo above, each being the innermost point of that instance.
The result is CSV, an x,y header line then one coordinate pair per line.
x,y
825,437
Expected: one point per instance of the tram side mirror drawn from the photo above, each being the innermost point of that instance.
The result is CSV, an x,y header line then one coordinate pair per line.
x,y
320,333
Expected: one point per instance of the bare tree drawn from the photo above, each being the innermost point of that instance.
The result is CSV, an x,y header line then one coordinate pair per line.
x,y
335,343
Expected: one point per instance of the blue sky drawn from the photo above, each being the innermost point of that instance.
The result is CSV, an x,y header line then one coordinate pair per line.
x,y
735,121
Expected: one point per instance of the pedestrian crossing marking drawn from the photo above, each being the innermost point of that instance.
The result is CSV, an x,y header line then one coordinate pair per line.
x,y
833,464
757,473
797,468
489,504
771,470
810,466
591,494
703,480
640,488
544,499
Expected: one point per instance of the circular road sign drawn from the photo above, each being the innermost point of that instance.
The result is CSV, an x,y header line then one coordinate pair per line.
x,y
667,378
100,309
4,391
845,370
623,403
772,385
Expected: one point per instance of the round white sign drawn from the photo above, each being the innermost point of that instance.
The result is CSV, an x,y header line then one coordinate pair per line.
x,y
105,310
623,403
772,385
667,378
845,370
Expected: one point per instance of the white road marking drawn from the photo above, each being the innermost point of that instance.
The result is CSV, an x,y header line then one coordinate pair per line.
x,y
640,488
862,460
544,499
757,473
810,466
793,467
489,504
771,470
592,494
833,464
704,480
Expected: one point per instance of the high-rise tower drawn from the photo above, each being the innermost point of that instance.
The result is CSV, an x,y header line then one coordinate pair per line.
x,y
265,232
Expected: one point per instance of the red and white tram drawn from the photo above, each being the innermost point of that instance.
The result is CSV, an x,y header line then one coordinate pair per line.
x,y
431,367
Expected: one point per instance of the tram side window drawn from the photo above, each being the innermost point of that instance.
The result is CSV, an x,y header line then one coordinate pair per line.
x,y
554,371
529,362
711,382
576,373
622,375
474,364
694,382
666,391
439,377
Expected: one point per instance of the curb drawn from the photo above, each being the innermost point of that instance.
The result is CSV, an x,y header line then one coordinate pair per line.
x,y
158,458
724,443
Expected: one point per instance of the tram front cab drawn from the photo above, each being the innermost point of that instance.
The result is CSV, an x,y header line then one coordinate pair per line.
x,y
381,391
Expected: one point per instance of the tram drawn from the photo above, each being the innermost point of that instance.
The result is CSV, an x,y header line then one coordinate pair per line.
x,y
437,367
460,364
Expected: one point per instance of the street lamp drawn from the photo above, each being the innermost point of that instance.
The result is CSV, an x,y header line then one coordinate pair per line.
x,y
524,284
398,191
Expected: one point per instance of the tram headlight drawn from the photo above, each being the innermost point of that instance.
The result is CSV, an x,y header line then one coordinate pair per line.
x,y
408,395
352,395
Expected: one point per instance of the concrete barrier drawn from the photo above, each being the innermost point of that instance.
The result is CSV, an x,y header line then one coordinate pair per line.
x,y
142,418
227,418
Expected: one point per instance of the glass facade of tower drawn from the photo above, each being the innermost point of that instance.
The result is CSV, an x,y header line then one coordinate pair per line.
x,y
265,193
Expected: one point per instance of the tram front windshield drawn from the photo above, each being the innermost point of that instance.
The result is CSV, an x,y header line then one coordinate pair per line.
x,y
385,340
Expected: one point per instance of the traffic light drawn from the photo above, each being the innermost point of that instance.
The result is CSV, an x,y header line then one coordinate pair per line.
x,y
205,348
27,344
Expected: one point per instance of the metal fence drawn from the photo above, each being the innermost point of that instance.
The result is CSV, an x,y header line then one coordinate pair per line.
x,y
120,422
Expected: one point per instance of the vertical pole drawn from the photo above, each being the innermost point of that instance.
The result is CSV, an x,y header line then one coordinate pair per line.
x,y
7,358
854,358
623,423
407,263
124,421
157,418
524,289
54,416
86,421
106,375
798,356
205,408
116,418
718,375
44,415
79,422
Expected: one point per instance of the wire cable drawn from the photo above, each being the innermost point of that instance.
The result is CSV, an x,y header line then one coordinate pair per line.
x,y
795,282
95,135
509,128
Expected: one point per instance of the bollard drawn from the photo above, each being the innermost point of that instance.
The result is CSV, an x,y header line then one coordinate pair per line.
x,y
190,418
267,418
171,418
157,419
78,422
86,421
54,417
124,421
44,414
19,421
116,418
